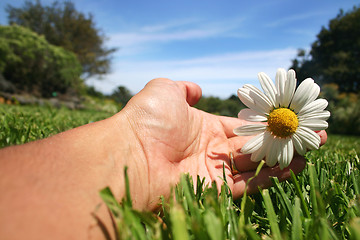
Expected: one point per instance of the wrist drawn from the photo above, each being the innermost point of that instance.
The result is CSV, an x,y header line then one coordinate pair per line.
x,y
130,154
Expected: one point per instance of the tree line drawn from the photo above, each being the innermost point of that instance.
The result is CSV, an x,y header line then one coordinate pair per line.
x,y
47,49
334,63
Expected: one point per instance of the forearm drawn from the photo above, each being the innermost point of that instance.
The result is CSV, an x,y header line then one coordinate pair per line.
x,y
51,187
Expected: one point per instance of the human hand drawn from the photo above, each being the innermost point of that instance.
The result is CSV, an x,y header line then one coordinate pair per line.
x,y
174,138
158,135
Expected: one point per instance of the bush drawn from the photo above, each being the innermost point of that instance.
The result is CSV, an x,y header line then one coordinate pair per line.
x,y
33,65
344,108
228,107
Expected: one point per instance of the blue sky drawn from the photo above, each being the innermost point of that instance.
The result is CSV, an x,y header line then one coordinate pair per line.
x,y
221,45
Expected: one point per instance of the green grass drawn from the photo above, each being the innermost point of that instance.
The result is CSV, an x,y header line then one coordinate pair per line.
x,y
21,124
322,202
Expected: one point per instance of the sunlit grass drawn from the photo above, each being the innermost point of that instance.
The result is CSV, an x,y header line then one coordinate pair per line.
x,y
21,124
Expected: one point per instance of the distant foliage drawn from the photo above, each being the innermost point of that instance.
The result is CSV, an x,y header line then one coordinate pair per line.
x,y
121,95
228,107
335,55
33,65
334,63
344,108
64,26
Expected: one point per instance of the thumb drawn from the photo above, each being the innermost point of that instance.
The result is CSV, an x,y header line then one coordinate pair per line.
x,y
191,90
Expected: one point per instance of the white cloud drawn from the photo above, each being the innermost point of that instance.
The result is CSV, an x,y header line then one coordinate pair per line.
x,y
218,75
168,25
294,18
135,38
177,30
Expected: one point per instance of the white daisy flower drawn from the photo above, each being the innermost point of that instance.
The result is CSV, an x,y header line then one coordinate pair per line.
x,y
290,118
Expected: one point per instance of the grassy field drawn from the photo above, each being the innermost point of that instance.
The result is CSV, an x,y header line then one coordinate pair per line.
x,y
323,202
21,124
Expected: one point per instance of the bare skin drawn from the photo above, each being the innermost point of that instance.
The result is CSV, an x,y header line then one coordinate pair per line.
x,y
50,188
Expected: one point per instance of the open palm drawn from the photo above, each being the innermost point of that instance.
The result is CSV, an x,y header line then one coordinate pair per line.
x,y
176,138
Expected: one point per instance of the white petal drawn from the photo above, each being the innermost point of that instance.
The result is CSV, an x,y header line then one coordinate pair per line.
x,y
298,144
323,115
251,115
250,129
315,106
253,88
253,144
309,137
289,90
314,125
245,98
273,153
307,92
261,152
259,97
280,80
287,153
268,86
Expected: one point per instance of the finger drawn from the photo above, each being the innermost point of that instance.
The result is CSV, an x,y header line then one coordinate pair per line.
x,y
242,161
191,90
230,123
323,136
263,179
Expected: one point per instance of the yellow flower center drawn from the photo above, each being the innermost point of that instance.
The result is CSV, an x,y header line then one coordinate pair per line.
x,y
282,122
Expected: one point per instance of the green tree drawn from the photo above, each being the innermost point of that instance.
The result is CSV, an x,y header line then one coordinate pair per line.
x,y
33,65
335,55
226,107
344,108
303,65
92,91
121,95
62,25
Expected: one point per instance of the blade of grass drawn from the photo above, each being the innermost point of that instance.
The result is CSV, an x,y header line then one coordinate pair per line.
x,y
299,193
313,188
355,183
127,199
110,201
284,199
244,215
296,229
250,233
188,193
273,221
213,225
355,228
178,222
134,222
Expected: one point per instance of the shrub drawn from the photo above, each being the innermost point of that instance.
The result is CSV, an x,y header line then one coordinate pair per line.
x,y
344,108
33,65
226,107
